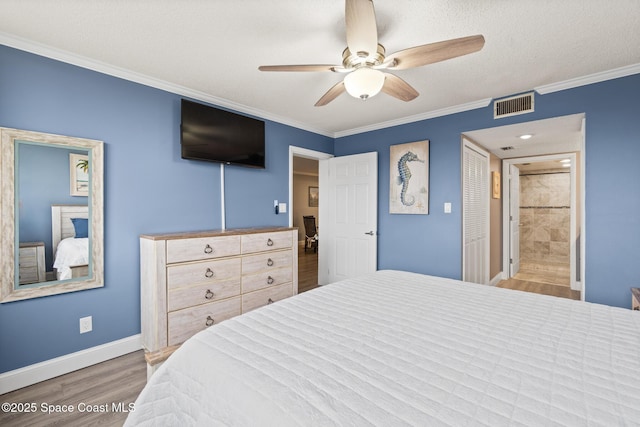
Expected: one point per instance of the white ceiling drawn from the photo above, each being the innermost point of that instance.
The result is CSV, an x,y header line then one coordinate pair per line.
x,y
548,136
211,50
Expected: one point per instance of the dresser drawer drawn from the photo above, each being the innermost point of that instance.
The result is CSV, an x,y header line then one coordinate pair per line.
x,y
190,296
27,258
266,262
185,323
261,242
27,274
31,267
265,279
257,299
203,272
180,250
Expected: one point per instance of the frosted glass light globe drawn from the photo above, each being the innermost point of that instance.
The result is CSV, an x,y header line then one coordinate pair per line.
x,y
364,82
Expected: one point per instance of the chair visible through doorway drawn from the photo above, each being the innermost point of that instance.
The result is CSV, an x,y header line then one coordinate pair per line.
x,y
311,233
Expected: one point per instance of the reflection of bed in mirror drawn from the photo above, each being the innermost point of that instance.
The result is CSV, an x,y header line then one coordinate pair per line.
x,y
70,253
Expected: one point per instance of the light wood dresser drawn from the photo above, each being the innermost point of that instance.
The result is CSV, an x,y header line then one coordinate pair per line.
x,y
190,281
31,266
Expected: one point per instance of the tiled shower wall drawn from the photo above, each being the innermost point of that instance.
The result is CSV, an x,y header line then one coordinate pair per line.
x,y
545,217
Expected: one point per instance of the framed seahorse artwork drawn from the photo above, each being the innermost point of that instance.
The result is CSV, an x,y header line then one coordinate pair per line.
x,y
409,173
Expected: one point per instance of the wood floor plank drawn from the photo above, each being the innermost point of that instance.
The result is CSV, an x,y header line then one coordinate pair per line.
x,y
542,279
307,270
99,395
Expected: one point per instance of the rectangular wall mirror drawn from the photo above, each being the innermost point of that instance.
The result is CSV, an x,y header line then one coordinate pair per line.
x,y
51,210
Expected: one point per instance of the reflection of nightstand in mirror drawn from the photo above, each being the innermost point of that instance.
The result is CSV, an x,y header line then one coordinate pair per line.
x,y
31,263
635,298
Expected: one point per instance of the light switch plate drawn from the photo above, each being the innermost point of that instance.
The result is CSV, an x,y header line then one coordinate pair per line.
x,y
447,207
282,208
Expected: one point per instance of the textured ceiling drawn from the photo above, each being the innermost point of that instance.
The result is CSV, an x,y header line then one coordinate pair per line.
x,y
211,49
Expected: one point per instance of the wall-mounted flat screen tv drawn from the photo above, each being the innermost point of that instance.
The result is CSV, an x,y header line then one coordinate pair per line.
x,y
215,135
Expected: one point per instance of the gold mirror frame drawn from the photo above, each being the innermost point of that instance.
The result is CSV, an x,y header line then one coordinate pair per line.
x,y
8,289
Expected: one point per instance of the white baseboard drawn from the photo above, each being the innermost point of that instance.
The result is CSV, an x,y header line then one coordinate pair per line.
x,y
496,279
32,374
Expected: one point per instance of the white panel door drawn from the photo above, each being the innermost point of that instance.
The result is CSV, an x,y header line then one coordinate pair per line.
x,y
348,243
475,214
514,220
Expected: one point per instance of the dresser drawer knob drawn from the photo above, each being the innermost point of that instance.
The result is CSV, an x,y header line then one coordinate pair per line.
x,y
269,262
209,321
270,301
209,273
209,294
270,280
208,249
269,242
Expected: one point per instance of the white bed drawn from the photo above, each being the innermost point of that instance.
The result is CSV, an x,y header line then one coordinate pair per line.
x,y
396,348
70,254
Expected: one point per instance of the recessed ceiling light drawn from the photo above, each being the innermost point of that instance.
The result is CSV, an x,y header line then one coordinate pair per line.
x,y
525,136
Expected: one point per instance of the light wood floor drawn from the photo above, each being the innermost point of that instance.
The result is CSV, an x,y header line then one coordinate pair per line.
x,y
97,395
547,279
307,269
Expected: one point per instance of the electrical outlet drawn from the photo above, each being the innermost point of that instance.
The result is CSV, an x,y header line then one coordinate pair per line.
x,y
86,324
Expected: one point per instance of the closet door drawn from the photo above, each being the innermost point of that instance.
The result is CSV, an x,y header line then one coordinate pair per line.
x,y
475,214
514,220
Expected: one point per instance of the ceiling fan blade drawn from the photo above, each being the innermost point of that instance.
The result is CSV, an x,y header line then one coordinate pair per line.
x,y
398,88
310,67
362,31
331,94
418,56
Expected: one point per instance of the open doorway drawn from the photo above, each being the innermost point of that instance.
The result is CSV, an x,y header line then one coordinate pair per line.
x,y
541,224
304,189
526,227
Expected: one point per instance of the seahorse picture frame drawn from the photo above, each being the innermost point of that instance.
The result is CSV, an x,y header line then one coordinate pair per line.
x,y
409,178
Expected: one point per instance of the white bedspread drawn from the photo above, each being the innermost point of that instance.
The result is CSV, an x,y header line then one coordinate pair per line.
x,y
71,252
397,348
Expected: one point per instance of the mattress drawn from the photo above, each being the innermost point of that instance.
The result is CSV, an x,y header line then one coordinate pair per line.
x,y
396,348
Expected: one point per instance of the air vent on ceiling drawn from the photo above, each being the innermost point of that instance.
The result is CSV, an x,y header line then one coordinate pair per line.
x,y
506,148
513,105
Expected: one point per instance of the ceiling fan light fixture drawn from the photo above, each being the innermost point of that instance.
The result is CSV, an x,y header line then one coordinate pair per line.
x,y
364,83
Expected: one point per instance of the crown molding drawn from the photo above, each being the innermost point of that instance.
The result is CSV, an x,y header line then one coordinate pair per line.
x,y
102,67
123,73
589,79
416,118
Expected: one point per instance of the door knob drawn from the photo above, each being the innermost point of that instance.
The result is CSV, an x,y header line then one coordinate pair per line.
x,y
370,233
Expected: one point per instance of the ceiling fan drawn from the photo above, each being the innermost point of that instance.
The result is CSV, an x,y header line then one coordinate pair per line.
x,y
364,61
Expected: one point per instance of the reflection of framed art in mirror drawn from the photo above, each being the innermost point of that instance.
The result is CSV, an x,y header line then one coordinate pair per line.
x,y
79,174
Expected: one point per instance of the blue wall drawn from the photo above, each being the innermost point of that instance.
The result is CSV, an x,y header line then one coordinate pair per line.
x,y
148,189
432,244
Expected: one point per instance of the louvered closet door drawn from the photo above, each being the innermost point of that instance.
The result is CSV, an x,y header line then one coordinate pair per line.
x,y
475,214
514,221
